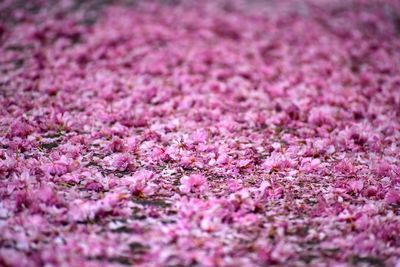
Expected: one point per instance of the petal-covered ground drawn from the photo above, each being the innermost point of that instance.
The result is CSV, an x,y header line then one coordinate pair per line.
x,y
200,133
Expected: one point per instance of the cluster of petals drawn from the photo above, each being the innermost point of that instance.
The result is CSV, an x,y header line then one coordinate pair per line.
x,y
200,133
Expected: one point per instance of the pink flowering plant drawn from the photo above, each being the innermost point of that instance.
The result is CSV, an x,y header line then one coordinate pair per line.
x,y
200,133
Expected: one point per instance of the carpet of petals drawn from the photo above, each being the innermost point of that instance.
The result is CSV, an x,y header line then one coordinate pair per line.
x,y
200,133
